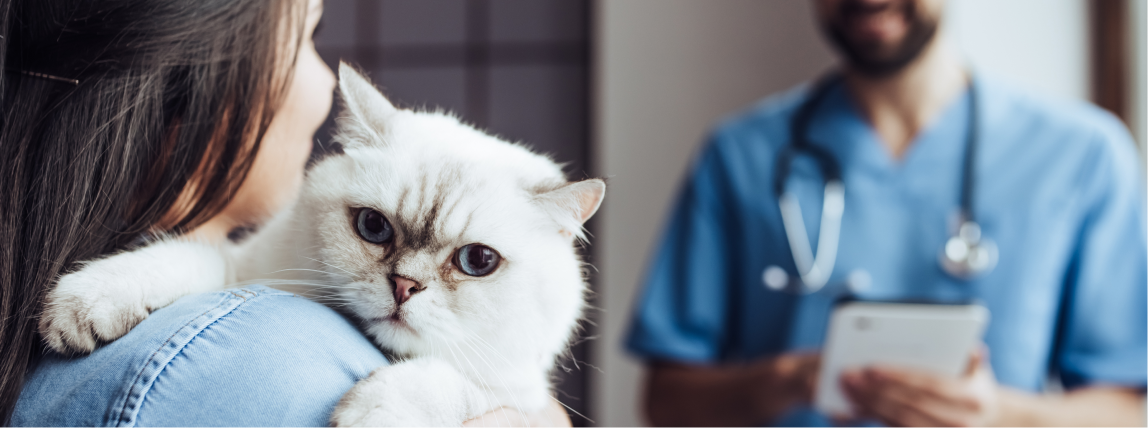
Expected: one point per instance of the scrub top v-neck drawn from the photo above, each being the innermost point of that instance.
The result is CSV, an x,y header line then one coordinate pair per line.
x,y
1058,187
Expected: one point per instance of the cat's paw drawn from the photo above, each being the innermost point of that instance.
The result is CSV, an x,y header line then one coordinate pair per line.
x,y
421,392
90,306
106,298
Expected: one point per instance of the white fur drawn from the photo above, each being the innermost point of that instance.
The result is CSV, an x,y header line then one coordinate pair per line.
x,y
420,392
467,344
109,296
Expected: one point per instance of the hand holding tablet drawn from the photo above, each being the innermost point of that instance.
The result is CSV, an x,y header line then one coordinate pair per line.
x,y
920,338
908,397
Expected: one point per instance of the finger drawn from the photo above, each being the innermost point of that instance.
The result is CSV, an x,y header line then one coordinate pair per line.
x,y
933,405
854,381
896,406
858,390
895,413
975,360
916,382
856,393
925,408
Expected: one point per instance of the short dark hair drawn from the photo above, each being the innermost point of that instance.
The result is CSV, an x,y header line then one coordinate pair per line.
x,y
172,99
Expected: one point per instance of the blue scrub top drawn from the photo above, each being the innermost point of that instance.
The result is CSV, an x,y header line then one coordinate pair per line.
x,y
1059,188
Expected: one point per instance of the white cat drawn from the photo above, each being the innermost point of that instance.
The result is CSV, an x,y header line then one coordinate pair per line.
x,y
455,249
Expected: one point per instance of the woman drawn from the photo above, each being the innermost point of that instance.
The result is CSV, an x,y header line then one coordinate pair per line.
x,y
127,118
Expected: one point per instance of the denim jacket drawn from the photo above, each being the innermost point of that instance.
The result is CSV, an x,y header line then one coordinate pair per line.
x,y
252,356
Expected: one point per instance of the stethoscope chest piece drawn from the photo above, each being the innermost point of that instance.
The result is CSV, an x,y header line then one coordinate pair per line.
x,y
967,254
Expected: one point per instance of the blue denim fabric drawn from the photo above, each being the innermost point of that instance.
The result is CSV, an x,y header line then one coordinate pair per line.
x,y
243,357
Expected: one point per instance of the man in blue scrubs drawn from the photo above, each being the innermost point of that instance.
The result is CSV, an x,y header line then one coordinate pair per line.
x,y
1058,186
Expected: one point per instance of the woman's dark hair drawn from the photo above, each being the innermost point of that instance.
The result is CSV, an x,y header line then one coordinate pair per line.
x,y
156,132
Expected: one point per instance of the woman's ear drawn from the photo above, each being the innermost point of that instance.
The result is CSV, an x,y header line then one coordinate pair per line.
x,y
365,109
571,205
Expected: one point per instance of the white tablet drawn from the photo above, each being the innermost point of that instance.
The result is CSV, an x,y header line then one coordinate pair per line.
x,y
932,337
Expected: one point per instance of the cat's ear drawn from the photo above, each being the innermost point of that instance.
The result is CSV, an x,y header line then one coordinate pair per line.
x,y
571,205
365,109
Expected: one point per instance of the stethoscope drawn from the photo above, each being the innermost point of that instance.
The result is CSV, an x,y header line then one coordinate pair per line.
x,y
966,254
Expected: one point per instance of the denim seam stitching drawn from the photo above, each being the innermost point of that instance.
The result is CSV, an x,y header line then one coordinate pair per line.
x,y
135,381
121,420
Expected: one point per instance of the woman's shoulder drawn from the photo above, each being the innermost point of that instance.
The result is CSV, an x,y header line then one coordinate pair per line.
x,y
248,356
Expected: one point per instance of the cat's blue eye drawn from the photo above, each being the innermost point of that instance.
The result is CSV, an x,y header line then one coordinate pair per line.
x,y
477,259
373,227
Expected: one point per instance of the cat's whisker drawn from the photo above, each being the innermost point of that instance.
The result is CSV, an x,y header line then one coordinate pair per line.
x,y
307,280
297,281
306,270
323,287
329,265
317,290
481,316
338,298
492,349
482,356
572,410
490,393
436,352
482,382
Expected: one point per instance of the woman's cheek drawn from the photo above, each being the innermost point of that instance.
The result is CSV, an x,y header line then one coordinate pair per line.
x,y
305,108
277,173
315,84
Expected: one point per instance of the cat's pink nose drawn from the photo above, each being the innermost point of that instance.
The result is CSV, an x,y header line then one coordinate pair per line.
x,y
404,288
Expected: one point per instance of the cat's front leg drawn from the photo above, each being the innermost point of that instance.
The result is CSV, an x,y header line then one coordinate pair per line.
x,y
105,298
419,392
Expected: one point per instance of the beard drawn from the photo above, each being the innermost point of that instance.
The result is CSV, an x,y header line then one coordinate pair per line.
x,y
875,58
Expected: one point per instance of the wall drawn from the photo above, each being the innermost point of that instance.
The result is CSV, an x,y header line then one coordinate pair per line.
x,y
666,70
1038,44
1138,17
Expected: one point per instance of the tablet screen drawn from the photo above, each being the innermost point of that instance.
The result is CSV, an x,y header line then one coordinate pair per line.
x,y
931,337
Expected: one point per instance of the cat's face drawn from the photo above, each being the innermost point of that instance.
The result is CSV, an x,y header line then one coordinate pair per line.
x,y
445,236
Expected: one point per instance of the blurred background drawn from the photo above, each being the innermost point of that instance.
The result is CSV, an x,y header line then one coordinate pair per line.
x,y
625,89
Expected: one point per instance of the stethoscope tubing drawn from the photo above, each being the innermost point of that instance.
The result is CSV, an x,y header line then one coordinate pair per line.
x,y
815,271
966,253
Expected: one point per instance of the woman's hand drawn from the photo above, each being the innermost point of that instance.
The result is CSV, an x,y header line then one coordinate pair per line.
x,y
551,416
906,397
